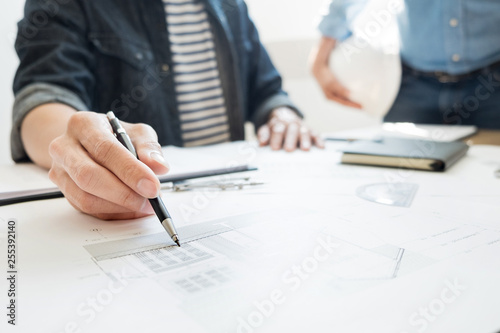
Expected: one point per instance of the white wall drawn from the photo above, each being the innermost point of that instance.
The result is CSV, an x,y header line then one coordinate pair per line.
x,y
285,20
9,15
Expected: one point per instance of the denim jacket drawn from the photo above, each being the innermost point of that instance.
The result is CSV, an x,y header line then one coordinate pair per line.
x,y
106,55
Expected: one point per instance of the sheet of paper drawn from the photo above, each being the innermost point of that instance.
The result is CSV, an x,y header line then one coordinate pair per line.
x,y
283,256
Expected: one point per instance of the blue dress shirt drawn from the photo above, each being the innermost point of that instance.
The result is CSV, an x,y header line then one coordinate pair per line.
x,y
453,36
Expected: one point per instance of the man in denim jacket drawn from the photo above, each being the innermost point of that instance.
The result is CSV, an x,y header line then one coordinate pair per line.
x,y
78,55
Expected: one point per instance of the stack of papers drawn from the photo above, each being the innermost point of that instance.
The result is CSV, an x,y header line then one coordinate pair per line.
x,y
439,133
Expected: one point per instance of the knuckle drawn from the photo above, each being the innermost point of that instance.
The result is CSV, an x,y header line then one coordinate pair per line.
x,y
56,148
77,120
273,121
74,205
87,205
102,149
263,132
145,130
81,201
53,175
151,145
130,173
84,176
305,131
278,127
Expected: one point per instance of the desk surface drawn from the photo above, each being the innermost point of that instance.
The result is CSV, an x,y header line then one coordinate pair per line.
x,y
485,137
302,252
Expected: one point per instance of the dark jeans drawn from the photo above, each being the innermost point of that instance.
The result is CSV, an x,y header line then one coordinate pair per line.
x,y
473,100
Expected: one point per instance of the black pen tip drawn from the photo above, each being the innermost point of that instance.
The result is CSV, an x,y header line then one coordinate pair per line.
x,y
178,244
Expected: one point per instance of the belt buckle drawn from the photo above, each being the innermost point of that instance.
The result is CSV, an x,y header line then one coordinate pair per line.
x,y
446,78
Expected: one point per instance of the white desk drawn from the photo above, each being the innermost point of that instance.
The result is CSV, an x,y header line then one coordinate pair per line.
x,y
430,267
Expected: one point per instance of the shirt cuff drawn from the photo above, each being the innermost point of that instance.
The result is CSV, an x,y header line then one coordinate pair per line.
x,y
335,18
334,29
29,98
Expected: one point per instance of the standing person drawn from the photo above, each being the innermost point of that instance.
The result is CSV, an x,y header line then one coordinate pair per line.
x,y
192,70
450,51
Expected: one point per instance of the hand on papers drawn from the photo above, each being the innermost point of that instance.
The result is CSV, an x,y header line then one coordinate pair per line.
x,y
285,129
98,175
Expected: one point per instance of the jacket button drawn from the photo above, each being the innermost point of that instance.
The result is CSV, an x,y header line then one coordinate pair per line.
x,y
165,68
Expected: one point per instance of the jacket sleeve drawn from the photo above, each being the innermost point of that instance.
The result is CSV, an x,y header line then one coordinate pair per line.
x,y
337,16
55,64
265,91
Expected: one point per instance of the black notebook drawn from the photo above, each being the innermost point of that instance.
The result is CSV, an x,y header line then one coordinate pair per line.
x,y
404,153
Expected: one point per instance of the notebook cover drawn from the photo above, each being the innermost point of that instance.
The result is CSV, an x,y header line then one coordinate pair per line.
x,y
405,153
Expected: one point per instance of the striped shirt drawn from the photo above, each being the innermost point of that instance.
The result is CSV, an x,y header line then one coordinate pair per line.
x,y
199,95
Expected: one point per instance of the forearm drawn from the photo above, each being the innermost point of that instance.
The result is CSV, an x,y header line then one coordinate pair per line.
x,y
42,125
321,69
320,56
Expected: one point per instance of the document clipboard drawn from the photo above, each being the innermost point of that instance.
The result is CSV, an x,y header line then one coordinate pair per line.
x,y
13,197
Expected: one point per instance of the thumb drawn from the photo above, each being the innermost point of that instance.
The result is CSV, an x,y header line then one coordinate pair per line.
x,y
152,155
264,135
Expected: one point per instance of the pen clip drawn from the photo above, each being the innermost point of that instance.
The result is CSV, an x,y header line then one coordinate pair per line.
x,y
120,133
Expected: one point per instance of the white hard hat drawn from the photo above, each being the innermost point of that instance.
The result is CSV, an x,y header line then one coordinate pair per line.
x,y
368,63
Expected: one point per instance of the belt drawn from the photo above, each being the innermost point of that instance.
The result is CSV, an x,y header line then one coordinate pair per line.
x,y
444,77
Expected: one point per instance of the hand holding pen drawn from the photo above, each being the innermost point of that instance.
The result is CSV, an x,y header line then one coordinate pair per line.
x,y
98,175
157,203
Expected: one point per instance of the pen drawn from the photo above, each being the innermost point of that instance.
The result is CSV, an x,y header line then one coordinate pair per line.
x,y
157,204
